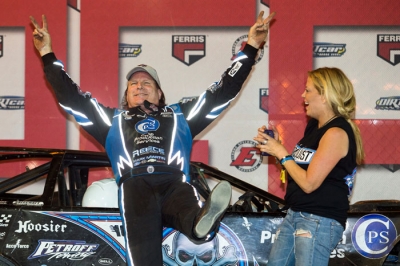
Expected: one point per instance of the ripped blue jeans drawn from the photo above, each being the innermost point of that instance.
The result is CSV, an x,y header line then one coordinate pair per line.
x,y
304,239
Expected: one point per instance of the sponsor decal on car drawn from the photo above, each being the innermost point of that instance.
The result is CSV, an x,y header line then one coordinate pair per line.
x,y
5,219
17,245
105,261
28,226
27,203
63,249
107,226
225,249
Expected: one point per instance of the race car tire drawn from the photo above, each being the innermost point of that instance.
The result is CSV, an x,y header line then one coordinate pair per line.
x,y
7,261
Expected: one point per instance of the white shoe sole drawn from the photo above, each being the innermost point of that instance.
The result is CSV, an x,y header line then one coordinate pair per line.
x,y
219,199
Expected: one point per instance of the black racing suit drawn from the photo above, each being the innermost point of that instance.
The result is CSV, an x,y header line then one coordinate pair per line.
x,y
150,153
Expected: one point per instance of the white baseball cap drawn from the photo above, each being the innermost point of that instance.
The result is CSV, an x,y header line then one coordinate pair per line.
x,y
145,68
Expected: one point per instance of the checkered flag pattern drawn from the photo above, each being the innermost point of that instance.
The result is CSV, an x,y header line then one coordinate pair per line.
x,y
5,218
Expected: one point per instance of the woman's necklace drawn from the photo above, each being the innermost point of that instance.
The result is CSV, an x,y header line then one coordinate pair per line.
x,y
333,117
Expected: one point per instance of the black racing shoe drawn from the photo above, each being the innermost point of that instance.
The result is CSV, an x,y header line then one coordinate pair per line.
x,y
213,210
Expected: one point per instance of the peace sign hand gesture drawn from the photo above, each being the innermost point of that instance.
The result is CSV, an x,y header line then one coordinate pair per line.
x,y
259,31
41,36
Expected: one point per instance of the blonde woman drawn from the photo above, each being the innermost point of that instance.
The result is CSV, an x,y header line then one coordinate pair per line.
x,y
320,171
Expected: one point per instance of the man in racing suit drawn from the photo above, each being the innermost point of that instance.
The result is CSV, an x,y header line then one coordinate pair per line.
x,y
149,145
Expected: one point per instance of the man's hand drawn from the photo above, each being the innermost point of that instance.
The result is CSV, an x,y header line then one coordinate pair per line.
x,y
259,31
41,36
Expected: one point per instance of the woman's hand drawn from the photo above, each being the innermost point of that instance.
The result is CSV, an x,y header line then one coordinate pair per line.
x,y
270,145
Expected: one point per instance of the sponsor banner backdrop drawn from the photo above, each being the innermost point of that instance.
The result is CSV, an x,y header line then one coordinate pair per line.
x,y
369,56
292,57
40,123
12,87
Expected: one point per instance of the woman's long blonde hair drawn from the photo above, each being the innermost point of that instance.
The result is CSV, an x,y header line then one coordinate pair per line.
x,y
339,93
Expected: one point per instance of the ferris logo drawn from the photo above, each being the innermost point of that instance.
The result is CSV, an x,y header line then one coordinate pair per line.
x,y
264,95
388,48
188,48
245,156
373,236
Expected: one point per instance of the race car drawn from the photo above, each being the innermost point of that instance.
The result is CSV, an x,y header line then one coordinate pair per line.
x,y
60,207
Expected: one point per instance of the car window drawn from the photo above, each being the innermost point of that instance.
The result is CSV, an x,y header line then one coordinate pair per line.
x,y
20,166
38,179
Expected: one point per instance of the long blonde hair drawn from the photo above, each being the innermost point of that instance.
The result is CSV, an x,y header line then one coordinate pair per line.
x,y
339,93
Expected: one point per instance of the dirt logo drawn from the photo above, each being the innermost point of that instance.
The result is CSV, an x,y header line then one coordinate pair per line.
x,y
188,48
388,48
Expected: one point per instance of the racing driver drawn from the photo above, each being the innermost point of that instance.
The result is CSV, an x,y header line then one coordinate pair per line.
x,y
149,145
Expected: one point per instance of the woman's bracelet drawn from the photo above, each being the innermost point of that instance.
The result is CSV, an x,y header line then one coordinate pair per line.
x,y
286,158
